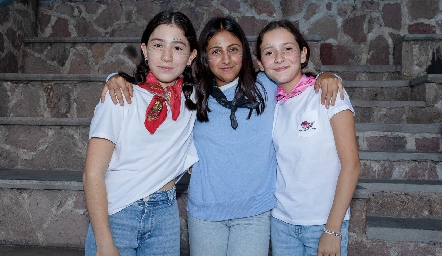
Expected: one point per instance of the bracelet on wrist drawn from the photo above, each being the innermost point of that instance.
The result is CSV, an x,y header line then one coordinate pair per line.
x,y
328,232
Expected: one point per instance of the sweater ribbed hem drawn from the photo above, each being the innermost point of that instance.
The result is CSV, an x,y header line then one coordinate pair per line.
x,y
240,208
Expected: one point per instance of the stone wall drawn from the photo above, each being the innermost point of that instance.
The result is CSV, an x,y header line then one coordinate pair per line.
x,y
17,21
361,32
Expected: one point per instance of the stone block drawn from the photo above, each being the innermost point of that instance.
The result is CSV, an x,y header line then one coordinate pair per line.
x,y
400,170
360,245
428,144
354,28
262,7
379,52
114,10
326,28
55,218
81,58
427,9
392,15
61,99
251,25
60,28
436,207
397,114
49,147
358,211
43,217
291,8
424,170
404,205
371,169
337,55
381,94
386,143
421,28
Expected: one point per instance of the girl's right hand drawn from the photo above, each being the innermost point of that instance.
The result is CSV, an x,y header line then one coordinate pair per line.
x,y
115,85
108,251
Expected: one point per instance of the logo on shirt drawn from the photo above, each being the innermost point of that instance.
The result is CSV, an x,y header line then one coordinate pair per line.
x,y
305,126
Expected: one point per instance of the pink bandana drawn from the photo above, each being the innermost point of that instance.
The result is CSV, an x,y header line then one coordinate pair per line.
x,y
304,83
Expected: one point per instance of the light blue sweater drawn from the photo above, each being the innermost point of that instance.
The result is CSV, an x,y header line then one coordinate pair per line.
x,y
236,172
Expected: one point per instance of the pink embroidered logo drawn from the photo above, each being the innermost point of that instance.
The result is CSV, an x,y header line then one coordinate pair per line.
x,y
307,126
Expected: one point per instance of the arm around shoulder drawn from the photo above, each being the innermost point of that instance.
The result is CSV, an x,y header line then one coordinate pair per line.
x,y
117,87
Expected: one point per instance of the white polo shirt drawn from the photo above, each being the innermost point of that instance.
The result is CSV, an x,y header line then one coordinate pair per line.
x,y
142,163
308,162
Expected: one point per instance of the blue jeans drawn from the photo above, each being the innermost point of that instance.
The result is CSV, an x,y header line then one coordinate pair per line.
x,y
290,239
148,226
236,237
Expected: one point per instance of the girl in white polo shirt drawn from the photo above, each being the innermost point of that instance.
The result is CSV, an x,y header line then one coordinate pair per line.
x,y
316,151
136,152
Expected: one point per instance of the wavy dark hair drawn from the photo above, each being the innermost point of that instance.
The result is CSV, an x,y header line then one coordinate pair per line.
x,y
286,24
247,84
182,22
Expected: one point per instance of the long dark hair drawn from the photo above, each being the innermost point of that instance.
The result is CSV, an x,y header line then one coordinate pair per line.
x,y
181,21
246,88
286,24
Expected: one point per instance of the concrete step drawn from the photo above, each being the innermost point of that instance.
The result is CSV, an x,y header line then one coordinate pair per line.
x,y
404,198
44,143
399,137
386,150
80,55
365,72
47,208
11,250
383,165
414,112
404,229
360,245
49,95
425,88
75,96
380,90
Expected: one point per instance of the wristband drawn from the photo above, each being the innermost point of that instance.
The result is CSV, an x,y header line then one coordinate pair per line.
x,y
110,76
340,78
328,232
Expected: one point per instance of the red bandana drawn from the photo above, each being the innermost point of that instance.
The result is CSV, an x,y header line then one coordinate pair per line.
x,y
156,112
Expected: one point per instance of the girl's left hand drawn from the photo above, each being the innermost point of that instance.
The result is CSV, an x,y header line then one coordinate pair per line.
x,y
329,245
330,86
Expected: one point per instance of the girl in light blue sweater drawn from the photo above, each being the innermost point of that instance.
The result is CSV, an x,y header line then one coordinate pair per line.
x,y
232,185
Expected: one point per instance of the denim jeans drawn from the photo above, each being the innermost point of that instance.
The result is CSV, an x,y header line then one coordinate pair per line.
x,y
236,237
148,226
297,240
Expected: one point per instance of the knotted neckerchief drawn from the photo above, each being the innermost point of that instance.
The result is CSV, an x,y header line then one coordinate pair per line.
x,y
233,105
304,83
156,112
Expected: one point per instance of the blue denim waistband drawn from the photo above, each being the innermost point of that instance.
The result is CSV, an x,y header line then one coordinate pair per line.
x,y
160,197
